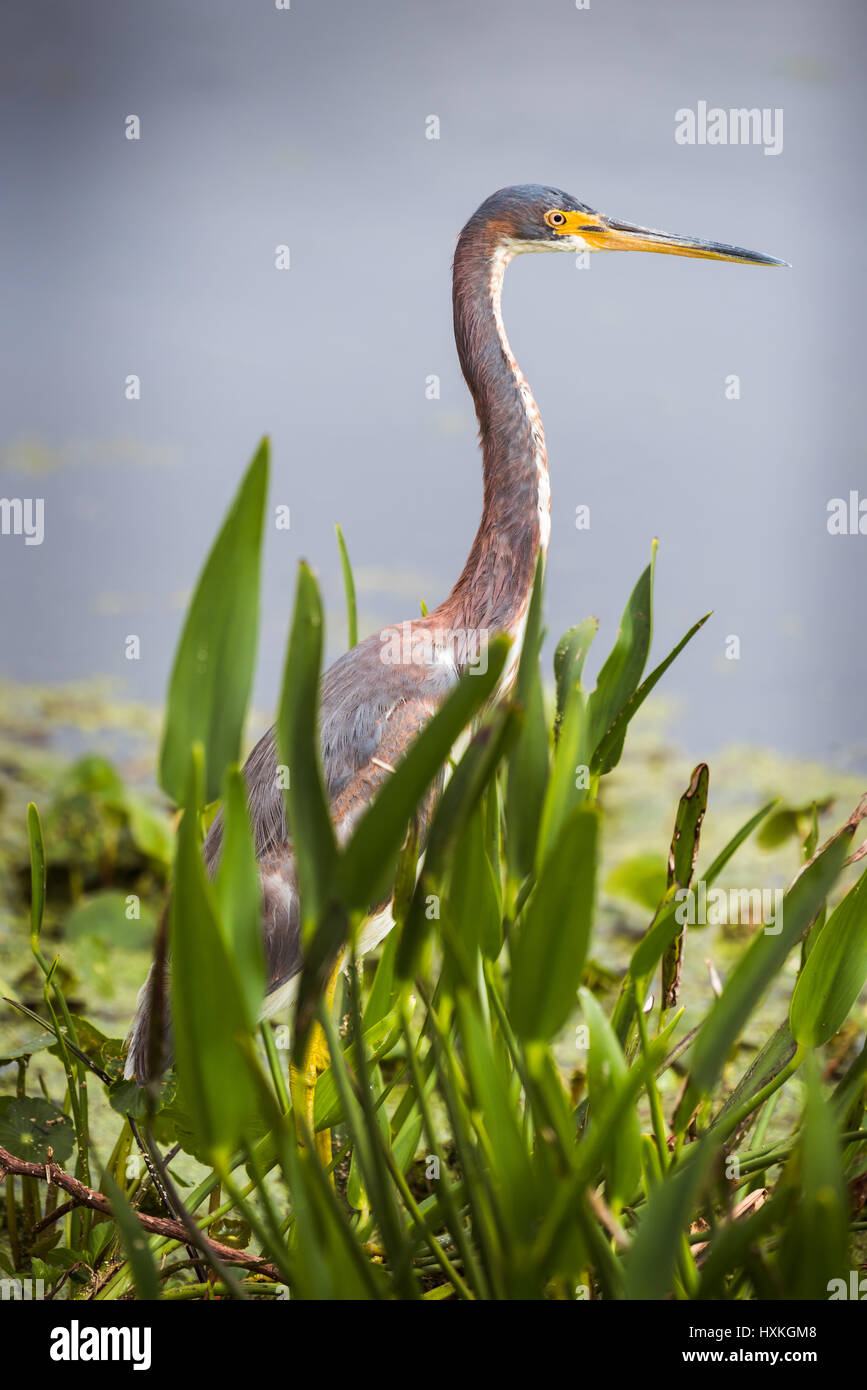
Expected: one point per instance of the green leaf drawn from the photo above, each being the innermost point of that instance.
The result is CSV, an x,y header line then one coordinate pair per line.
x,y
664,936
550,946
730,1246
462,795
135,1242
37,873
651,1260
687,828
93,777
569,657
406,1141
379,1040
621,673
106,1053
778,828
208,1006
756,968
356,1193
362,1121
716,867
349,587
128,1098
63,1258
610,748
528,761
367,860
834,973
665,927
30,1126
606,1072
681,862
494,835
150,831
811,839
331,1263
384,991
816,1239
213,668
37,1042
313,839
106,917
774,1055
569,783
473,896
507,1153
640,879
238,895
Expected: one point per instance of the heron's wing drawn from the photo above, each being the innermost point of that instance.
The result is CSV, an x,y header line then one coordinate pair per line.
x,y
370,716
370,712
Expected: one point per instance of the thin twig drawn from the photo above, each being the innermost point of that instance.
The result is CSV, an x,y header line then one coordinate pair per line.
x,y
54,1216
156,1225
200,1243
106,1081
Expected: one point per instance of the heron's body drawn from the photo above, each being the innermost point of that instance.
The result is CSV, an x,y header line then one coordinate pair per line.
x,y
376,697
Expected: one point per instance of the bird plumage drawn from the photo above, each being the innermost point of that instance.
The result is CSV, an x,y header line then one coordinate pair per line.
x,y
376,697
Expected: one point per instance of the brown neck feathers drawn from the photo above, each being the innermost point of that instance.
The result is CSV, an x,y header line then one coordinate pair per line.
x,y
494,588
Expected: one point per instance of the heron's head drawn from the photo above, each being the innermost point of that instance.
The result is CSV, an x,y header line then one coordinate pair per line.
x,y
530,217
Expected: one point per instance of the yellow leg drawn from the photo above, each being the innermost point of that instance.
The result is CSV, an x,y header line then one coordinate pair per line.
x,y
302,1080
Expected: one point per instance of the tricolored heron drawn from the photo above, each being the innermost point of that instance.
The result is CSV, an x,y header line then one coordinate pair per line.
x,y
377,696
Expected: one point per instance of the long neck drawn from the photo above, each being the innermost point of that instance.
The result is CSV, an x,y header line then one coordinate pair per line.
x,y
494,588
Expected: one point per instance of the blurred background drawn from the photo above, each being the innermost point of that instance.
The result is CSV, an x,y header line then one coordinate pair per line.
x,y
307,127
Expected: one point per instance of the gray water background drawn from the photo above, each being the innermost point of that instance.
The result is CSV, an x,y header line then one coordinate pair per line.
x,y
307,127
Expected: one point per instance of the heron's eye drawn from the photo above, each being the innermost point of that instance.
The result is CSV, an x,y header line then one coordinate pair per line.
x,y
555,218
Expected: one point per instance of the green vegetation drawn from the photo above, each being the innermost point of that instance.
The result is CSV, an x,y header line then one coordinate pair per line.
x,y
539,1089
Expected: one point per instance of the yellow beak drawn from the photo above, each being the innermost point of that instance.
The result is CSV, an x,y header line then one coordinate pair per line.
x,y
605,234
